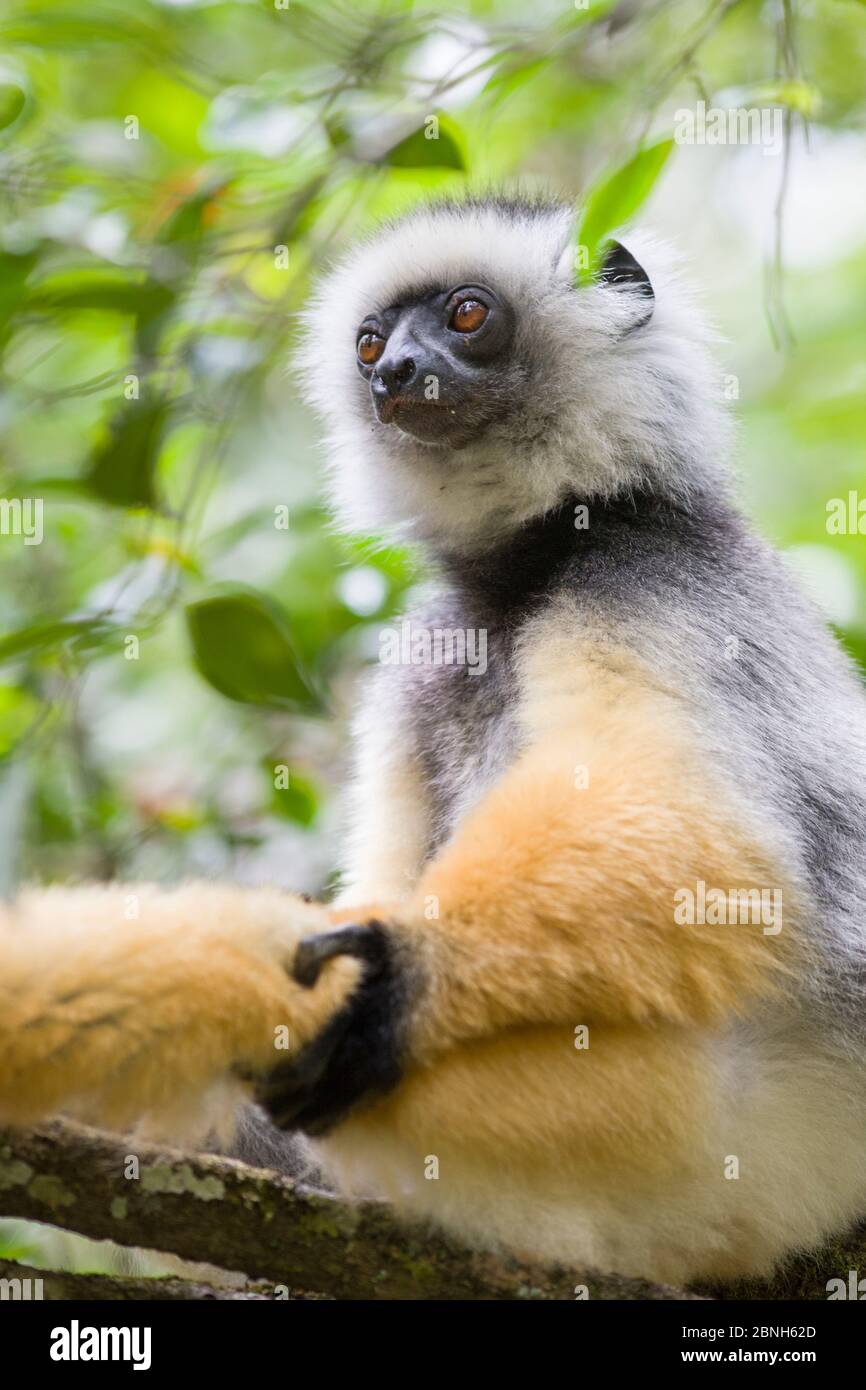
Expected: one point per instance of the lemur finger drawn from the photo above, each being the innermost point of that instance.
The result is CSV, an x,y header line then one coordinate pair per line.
x,y
365,942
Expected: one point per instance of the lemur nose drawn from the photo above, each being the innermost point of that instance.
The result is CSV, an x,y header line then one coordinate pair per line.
x,y
395,374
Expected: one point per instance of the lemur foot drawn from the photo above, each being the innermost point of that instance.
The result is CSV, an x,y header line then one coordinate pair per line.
x,y
357,1056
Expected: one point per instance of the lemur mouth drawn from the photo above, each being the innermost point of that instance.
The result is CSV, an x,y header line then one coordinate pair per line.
x,y
385,408
394,409
430,422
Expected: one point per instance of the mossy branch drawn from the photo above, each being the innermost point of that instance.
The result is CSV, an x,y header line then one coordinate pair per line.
x,y
294,1240
220,1212
60,1286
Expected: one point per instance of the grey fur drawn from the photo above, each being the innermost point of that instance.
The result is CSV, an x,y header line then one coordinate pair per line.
x,y
259,1143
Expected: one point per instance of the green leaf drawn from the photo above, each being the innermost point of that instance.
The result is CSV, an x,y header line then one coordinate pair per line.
x,y
436,144
510,75
337,132
91,289
615,199
243,647
298,802
12,99
123,469
110,291
14,271
188,221
45,635
18,709
150,315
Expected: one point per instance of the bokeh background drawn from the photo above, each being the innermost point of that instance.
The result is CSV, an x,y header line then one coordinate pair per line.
x,y
177,656
172,176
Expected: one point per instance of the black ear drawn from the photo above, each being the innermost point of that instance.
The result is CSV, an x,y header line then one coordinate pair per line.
x,y
619,267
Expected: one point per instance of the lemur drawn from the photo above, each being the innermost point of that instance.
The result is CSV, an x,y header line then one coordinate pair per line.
x,y
551,968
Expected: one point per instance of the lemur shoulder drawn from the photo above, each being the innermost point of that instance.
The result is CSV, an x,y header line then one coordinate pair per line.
x,y
661,715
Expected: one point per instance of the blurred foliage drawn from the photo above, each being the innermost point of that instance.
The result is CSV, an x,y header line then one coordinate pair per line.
x,y
172,174
616,198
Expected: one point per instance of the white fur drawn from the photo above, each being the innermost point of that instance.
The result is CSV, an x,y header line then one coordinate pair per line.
x,y
599,406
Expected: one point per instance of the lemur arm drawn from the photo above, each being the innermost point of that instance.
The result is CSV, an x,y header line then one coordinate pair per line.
x,y
124,1002
554,904
388,819
557,904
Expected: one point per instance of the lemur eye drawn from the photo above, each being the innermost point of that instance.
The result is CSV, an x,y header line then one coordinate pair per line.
x,y
370,348
469,315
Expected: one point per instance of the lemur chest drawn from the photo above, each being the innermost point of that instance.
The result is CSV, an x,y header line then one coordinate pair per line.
x,y
462,709
472,708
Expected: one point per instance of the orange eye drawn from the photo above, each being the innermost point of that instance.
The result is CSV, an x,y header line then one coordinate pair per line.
x,y
469,315
370,348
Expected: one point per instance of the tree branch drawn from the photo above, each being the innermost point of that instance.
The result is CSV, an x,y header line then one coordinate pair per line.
x,y
293,1238
59,1286
216,1211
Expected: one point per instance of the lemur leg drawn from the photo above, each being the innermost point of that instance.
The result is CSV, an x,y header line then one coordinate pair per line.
x,y
555,903
123,1002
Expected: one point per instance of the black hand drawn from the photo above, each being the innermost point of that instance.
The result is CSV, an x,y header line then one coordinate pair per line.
x,y
357,1055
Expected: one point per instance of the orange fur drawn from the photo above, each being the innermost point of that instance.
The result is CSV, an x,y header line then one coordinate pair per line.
x,y
556,903
552,906
114,1017
625,1104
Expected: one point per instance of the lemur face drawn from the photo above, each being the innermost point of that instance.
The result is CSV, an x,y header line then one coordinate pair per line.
x,y
432,360
470,380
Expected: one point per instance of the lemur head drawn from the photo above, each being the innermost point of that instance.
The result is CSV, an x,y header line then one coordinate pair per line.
x,y
469,384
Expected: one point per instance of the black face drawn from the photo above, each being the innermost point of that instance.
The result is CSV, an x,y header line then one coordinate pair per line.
x,y
432,362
